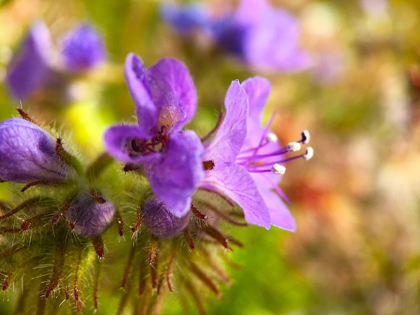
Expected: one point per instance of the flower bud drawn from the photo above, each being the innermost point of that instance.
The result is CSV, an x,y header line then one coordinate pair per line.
x,y
90,217
82,48
160,221
27,153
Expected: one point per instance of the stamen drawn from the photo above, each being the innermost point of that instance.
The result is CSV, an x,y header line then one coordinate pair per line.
x,y
308,154
271,137
305,137
265,133
293,146
278,169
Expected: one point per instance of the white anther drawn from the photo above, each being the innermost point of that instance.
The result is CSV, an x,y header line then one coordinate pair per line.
x,y
293,146
271,137
278,169
305,136
308,154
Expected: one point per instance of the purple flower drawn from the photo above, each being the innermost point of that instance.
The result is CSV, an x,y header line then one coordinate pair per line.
x,y
185,18
90,217
160,221
248,159
82,48
165,99
27,153
34,68
263,37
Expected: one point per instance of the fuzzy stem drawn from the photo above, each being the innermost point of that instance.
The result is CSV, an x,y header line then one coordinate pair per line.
x,y
30,203
58,267
128,267
169,272
197,213
120,223
41,183
188,238
96,283
67,158
98,245
204,278
196,297
214,233
25,115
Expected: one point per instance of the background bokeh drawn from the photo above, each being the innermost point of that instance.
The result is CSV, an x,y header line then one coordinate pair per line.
x,y
356,249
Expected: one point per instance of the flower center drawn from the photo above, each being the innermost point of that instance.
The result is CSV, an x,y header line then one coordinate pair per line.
x,y
157,143
273,161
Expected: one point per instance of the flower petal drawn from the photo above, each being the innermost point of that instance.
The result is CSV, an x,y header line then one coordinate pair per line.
x,y
177,175
231,135
257,89
82,48
173,92
235,182
117,140
249,12
279,213
137,81
27,153
30,70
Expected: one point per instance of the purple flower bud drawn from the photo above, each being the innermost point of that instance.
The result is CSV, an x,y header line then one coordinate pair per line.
x,y
90,217
83,48
159,220
27,153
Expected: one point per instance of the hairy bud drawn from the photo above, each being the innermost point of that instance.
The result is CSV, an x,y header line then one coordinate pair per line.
x,y
90,216
27,153
159,220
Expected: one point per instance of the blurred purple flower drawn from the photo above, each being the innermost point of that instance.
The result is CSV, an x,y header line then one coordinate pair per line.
x,y
82,48
27,153
31,68
185,18
248,159
90,217
160,221
263,37
166,100
35,66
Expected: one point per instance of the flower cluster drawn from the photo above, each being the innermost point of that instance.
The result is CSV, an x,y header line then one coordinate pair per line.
x,y
242,161
263,37
194,185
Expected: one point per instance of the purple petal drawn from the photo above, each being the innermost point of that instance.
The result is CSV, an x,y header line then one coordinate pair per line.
x,y
175,178
89,217
250,12
173,92
231,135
118,139
82,48
272,44
159,220
184,18
27,153
235,182
30,70
280,215
137,81
257,89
